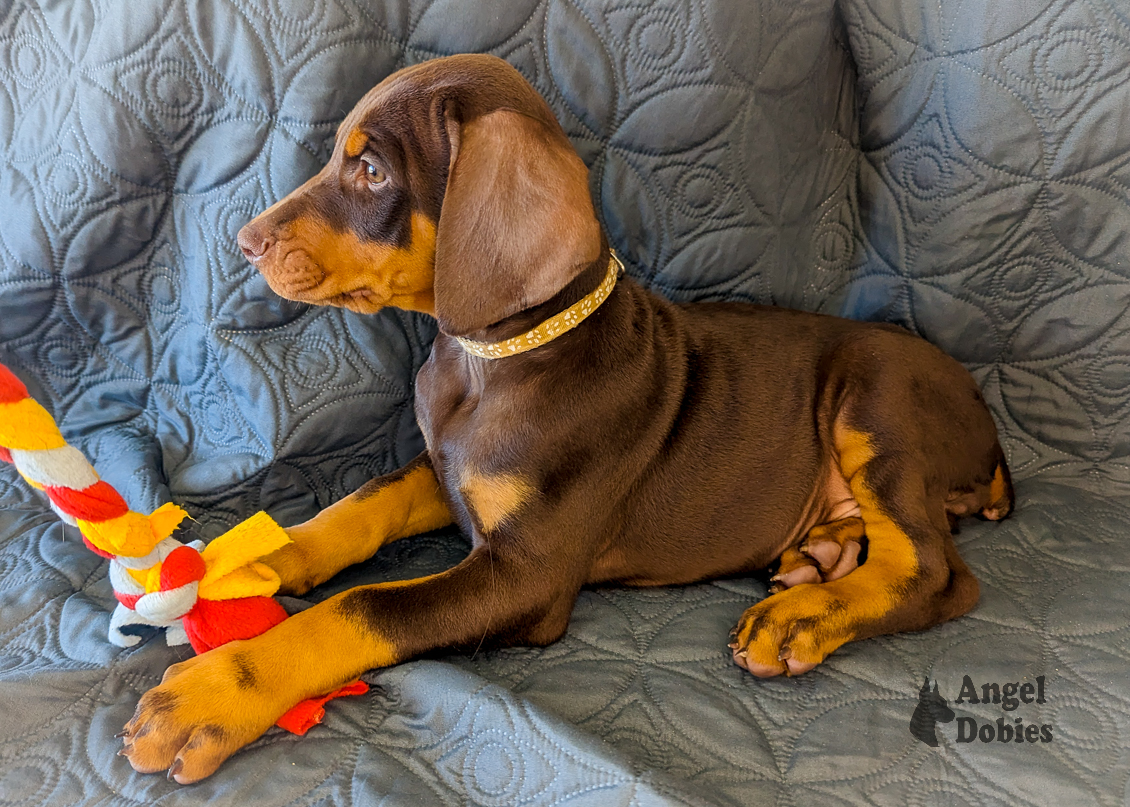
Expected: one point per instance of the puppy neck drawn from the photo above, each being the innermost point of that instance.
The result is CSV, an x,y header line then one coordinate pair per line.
x,y
585,283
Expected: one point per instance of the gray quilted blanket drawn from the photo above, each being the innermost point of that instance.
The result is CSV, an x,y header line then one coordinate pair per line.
x,y
962,168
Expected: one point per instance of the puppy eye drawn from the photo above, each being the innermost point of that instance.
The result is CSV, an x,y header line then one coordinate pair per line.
x,y
374,174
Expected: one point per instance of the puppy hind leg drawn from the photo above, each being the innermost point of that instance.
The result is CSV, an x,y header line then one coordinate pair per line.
x,y
912,577
795,568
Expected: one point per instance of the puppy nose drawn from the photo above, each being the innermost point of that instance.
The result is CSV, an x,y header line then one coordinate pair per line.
x,y
253,243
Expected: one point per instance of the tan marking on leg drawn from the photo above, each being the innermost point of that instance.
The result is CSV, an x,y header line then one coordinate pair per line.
x,y
997,487
351,530
494,498
205,708
200,714
891,555
1000,502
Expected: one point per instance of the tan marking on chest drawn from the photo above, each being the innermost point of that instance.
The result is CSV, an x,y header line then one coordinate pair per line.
x,y
493,498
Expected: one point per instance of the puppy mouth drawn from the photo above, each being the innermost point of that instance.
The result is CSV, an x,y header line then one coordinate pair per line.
x,y
361,301
297,276
294,274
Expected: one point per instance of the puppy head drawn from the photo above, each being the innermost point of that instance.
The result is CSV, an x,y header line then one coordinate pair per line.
x,y
451,190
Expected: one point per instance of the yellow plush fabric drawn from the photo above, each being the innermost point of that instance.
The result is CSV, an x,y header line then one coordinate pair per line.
x,y
133,535
27,426
231,560
130,535
164,520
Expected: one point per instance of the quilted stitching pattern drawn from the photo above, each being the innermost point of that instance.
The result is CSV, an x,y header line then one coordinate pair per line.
x,y
959,168
995,210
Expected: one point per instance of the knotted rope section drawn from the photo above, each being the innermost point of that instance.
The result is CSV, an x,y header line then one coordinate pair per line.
x,y
202,595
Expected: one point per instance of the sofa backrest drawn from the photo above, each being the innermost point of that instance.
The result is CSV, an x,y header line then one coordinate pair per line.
x,y
994,199
966,183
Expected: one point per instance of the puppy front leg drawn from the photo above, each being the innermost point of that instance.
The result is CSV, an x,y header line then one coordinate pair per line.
x,y
210,706
406,502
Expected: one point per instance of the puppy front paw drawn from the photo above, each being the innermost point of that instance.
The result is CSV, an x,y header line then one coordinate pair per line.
x,y
203,711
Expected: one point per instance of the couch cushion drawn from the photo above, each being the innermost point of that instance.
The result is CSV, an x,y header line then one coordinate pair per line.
x,y
730,161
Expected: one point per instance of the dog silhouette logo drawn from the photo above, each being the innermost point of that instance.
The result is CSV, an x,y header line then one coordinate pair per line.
x,y
932,709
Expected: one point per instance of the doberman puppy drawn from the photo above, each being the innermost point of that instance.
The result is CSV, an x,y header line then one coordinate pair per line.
x,y
580,428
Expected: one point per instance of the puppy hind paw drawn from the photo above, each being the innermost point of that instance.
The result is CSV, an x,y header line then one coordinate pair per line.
x,y
795,568
835,547
827,553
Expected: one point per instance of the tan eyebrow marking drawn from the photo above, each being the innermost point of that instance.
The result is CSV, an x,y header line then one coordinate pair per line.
x,y
355,143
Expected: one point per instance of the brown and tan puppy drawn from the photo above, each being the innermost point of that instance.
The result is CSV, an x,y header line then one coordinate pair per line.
x,y
651,444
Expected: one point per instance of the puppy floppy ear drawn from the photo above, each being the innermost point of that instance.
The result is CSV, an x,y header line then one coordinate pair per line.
x,y
517,223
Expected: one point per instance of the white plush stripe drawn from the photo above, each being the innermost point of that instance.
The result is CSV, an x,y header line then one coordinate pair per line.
x,y
175,634
166,547
121,580
66,517
64,467
121,617
163,607
159,553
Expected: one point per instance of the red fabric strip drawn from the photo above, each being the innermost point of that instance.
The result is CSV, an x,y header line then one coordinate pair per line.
x,y
212,623
98,551
308,713
128,600
182,566
99,502
11,388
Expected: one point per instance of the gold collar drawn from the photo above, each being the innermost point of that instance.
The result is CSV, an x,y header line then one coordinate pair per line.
x,y
553,327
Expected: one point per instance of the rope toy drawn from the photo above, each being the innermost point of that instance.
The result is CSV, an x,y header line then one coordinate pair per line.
x,y
204,596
